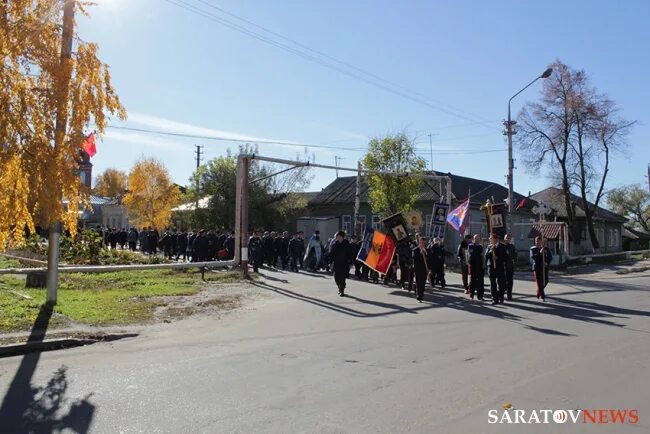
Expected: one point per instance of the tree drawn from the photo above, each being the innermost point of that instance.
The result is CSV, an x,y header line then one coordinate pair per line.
x,y
633,202
111,183
38,89
272,200
573,131
391,194
152,194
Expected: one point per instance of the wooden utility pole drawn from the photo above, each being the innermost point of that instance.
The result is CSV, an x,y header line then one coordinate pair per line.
x,y
244,214
63,90
357,203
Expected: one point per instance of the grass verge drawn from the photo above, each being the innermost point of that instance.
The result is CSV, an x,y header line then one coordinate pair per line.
x,y
120,298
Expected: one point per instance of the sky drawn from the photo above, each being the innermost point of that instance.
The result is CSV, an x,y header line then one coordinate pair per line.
x,y
445,68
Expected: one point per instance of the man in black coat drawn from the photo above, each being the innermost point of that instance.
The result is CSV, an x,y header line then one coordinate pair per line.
x,y
182,245
200,247
296,247
256,251
462,256
340,254
284,252
277,249
421,267
495,258
230,245
476,270
541,257
511,260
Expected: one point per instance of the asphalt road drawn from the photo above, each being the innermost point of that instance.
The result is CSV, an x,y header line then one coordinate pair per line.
x,y
298,358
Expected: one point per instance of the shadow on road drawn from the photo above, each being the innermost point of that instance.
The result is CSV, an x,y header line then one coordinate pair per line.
x,y
27,408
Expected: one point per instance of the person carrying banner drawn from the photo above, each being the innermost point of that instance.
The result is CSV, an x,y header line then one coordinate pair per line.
x,y
495,258
541,258
476,271
421,267
511,260
341,260
462,256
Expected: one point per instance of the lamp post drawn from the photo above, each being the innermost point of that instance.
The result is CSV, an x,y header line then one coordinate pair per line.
x,y
509,131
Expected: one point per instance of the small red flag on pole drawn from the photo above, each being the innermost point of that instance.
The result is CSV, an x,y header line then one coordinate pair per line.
x,y
89,145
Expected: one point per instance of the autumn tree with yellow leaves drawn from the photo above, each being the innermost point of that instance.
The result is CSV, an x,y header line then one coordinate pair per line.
x,y
151,195
40,88
111,183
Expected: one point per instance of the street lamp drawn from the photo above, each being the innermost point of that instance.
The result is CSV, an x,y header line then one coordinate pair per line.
x,y
509,124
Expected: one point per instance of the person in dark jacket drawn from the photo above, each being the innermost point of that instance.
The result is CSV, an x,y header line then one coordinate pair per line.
x,y
462,256
143,238
256,251
421,267
511,260
191,238
132,239
355,243
201,247
123,237
152,240
340,254
476,270
182,245
230,245
296,247
277,249
541,257
284,251
495,259
113,238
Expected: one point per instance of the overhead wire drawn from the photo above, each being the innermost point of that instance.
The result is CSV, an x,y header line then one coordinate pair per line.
x,y
344,63
210,16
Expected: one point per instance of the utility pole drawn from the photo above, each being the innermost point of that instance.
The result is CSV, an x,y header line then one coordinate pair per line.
x,y
197,151
431,149
63,90
357,202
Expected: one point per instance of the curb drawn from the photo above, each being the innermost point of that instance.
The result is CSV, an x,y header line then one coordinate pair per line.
x,y
58,344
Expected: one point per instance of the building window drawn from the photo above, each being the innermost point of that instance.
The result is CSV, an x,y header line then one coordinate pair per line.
x,y
376,222
362,224
346,223
616,238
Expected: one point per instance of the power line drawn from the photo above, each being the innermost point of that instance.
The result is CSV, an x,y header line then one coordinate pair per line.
x,y
229,139
198,11
340,62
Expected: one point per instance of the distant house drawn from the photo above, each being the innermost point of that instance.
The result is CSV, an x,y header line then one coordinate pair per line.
x,y
608,225
337,201
634,239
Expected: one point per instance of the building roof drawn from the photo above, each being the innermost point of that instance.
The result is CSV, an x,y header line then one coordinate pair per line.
x,y
635,234
554,197
191,206
342,191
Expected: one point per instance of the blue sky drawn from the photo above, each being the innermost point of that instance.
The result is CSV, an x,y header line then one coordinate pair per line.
x,y
180,72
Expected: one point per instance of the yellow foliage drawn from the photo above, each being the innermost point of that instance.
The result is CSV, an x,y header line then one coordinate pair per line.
x,y
38,169
151,195
111,183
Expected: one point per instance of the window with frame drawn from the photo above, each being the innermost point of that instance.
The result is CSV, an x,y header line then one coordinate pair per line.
x,y
616,238
346,223
376,222
362,224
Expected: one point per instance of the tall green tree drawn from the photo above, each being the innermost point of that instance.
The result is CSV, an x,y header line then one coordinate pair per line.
x,y
273,201
391,194
633,202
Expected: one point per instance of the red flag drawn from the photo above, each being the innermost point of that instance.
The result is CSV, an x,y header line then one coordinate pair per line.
x,y
89,145
521,204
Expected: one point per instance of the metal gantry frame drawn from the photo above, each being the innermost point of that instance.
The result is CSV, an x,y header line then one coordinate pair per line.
x,y
241,194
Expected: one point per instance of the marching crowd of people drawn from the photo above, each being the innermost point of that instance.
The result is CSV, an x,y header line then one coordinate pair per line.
x,y
193,246
412,268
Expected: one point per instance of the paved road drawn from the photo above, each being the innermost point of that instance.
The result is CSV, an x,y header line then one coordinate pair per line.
x,y
297,358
